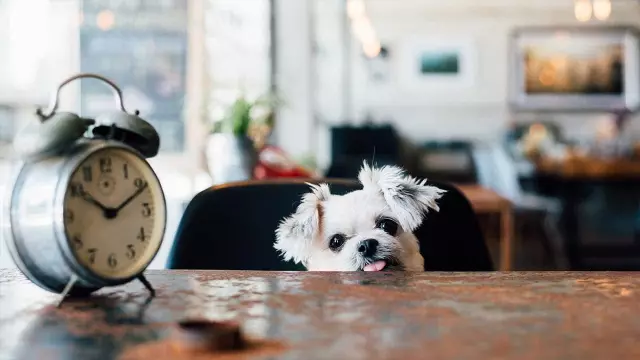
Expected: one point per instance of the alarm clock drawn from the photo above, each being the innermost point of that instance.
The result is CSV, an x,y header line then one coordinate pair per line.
x,y
85,208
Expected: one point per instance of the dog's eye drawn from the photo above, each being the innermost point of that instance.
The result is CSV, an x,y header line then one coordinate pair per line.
x,y
387,225
336,242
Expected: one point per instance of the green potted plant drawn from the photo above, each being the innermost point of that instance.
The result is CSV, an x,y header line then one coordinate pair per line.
x,y
231,146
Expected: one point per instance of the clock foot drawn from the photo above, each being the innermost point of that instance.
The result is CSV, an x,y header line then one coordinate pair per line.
x,y
67,289
147,284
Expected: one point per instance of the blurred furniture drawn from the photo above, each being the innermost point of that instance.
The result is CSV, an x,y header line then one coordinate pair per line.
x,y
447,161
601,209
589,167
355,315
596,191
486,201
351,145
232,227
519,131
273,162
497,170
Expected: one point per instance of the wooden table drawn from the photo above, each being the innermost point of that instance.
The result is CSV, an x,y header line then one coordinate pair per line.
x,y
579,182
487,201
302,315
589,167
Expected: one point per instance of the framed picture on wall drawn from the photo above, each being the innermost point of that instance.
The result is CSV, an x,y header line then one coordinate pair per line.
x,y
437,63
575,69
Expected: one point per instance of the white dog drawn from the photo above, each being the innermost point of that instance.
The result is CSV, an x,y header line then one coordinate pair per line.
x,y
365,230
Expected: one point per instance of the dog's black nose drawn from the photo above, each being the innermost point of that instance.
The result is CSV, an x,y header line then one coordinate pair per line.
x,y
368,247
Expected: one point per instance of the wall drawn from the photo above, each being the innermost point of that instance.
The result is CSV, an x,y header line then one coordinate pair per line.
x,y
293,49
478,111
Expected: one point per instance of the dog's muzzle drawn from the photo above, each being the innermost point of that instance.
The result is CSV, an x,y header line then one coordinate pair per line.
x,y
368,249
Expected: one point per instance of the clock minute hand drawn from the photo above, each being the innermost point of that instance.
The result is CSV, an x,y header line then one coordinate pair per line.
x,y
130,198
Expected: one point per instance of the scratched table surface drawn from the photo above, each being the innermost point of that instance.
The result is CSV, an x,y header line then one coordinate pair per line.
x,y
303,315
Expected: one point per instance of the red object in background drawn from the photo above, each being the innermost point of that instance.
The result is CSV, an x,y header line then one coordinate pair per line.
x,y
273,162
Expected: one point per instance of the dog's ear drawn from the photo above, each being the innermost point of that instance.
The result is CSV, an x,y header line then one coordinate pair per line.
x,y
296,232
407,197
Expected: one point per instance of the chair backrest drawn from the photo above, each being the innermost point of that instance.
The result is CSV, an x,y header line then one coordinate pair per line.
x,y
232,227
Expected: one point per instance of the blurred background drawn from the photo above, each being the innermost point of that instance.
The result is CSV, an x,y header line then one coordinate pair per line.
x,y
534,99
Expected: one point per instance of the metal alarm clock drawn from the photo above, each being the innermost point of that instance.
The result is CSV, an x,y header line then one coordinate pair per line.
x,y
85,209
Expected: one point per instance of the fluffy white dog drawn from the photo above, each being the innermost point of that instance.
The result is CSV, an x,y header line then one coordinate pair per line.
x,y
365,230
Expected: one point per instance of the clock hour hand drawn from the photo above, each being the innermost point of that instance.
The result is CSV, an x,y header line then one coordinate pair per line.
x,y
90,199
130,198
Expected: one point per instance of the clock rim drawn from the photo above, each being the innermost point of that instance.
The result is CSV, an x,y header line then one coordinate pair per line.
x,y
67,170
9,225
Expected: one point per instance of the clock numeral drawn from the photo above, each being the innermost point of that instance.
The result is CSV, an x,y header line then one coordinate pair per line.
x,y
87,173
92,255
125,170
146,210
77,242
76,189
112,261
138,183
105,165
142,236
131,251
69,216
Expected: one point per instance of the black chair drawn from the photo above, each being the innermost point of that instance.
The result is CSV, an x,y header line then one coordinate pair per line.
x,y
232,227
351,145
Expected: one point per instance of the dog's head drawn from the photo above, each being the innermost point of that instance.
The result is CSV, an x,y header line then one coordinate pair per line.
x,y
368,229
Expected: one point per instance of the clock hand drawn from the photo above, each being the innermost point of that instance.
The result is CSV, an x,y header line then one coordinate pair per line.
x,y
130,198
88,198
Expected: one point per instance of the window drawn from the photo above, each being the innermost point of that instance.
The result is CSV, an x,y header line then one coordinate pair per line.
x,y
142,46
179,62
237,47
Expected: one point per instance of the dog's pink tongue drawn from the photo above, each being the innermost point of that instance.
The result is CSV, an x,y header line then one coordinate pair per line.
x,y
376,266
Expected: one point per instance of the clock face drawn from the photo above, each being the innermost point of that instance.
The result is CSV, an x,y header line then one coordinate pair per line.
x,y
114,213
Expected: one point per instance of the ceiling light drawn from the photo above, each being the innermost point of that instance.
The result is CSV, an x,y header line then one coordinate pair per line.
x,y
601,9
355,8
582,10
